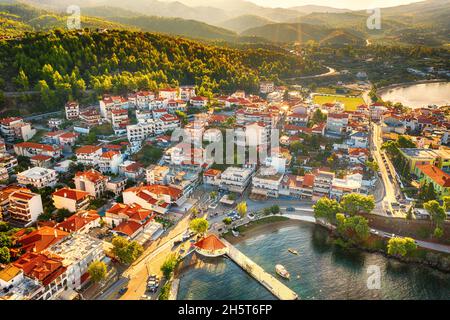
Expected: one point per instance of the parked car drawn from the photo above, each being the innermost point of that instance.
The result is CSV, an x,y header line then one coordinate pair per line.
x,y
123,290
290,209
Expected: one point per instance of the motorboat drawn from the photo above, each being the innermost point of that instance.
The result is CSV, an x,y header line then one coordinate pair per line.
x,y
293,251
282,272
235,232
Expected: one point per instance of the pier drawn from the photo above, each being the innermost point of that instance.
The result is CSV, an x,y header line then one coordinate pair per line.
x,y
275,286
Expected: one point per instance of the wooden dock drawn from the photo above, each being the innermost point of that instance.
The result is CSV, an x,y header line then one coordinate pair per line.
x,y
275,286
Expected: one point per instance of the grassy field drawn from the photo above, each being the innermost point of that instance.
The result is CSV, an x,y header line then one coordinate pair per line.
x,y
350,103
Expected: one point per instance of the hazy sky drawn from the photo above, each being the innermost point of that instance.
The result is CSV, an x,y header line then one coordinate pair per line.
x,y
349,4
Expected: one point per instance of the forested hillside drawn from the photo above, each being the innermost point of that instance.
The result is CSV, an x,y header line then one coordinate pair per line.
x,y
62,64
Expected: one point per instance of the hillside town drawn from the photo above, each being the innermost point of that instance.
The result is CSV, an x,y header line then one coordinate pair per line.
x,y
81,184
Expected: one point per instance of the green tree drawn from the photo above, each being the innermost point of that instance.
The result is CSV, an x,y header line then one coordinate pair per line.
x,y
97,271
275,209
213,195
4,255
354,203
355,228
438,232
125,251
227,221
241,208
169,265
436,212
372,165
401,246
326,208
199,225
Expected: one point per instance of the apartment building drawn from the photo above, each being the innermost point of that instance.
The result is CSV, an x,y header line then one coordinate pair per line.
x,y
14,128
235,179
253,134
89,155
154,197
81,222
187,92
30,149
8,162
267,182
198,102
76,252
38,177
90,116
136,133
266,87
119,120
71,199
337,123
72,109
109,103
322,184
25,206
166,122
91,181
168,94
109,162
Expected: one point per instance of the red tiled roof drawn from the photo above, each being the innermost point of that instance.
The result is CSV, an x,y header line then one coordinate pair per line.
x,y
210,243
128,227
212,172
41,239
78,220
91,175
7,121
308,180
109,154
87,149
72,194
34,145
41,267
434,173
40,157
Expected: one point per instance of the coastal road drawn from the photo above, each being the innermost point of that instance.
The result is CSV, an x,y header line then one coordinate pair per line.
x,y
135,277
390,189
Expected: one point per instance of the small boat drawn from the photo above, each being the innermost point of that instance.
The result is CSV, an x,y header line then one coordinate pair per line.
x,y
293,251
235,232
281,271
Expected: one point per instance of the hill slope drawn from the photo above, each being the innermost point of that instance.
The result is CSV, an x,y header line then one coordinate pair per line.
x,y
302,33
245,22
15,19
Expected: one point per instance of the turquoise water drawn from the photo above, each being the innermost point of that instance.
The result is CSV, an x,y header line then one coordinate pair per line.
x,y
326,271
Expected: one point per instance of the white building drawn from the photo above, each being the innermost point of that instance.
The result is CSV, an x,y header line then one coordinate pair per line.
x,y
267,182
38,177
89,155
266,87
14,128
77,251
72,109
91,181
109,162
337,123
235,179
25,206
71,199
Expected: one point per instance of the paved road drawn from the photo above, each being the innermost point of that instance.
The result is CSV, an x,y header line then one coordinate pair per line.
x,y
390,189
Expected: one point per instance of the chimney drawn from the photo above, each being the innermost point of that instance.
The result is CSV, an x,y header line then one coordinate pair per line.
x,y
65,194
